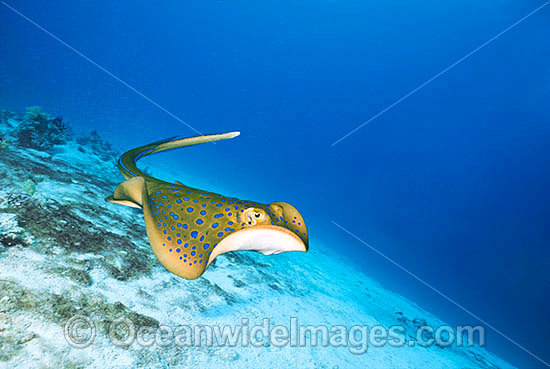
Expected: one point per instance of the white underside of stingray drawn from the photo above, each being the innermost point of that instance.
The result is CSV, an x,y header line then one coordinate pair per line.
x,y
188,228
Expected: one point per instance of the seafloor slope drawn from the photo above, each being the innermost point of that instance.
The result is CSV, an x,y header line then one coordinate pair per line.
x,y
64,251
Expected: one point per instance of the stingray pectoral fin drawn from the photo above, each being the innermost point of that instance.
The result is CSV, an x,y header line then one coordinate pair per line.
x,y
131,204
266,239
129,193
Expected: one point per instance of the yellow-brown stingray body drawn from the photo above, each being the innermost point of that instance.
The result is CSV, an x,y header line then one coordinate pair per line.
x,y
188,227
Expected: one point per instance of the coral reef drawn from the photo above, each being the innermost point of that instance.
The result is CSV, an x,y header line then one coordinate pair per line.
x,y
94,142
40,131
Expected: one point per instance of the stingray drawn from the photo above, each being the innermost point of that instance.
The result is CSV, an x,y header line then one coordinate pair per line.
x,y
189,227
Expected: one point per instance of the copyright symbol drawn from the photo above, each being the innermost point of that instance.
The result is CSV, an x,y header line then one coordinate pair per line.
x,y
79,331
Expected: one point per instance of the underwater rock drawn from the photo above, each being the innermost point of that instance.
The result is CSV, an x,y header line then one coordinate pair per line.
x,y
238,283
97,145
29,187
10,241
419,322
5,143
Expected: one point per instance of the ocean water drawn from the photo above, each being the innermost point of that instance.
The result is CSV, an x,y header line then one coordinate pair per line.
x,y
450,184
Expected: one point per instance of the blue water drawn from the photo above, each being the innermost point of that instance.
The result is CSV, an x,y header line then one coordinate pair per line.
x,y
451,183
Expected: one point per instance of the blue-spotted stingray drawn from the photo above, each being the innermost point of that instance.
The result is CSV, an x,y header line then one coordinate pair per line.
x,y
188,227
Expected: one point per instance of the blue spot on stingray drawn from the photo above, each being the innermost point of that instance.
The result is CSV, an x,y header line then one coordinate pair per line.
x,y
218,205
203,212
157,193
230,223
178,201
184,226
178,234
169,238
202,238
170,250
190,210
169,206
220,234
178,250
194,247
218,215
164,231
206,245
229,214
186,245
200,261
195,201
179,243
215,225
199,221
227,209
173,228
194,234
193,253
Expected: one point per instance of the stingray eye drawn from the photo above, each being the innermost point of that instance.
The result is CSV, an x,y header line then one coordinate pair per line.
x,y
257,215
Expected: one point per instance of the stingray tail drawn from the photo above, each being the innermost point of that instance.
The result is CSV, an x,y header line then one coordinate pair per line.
x,y
131,192
128,160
